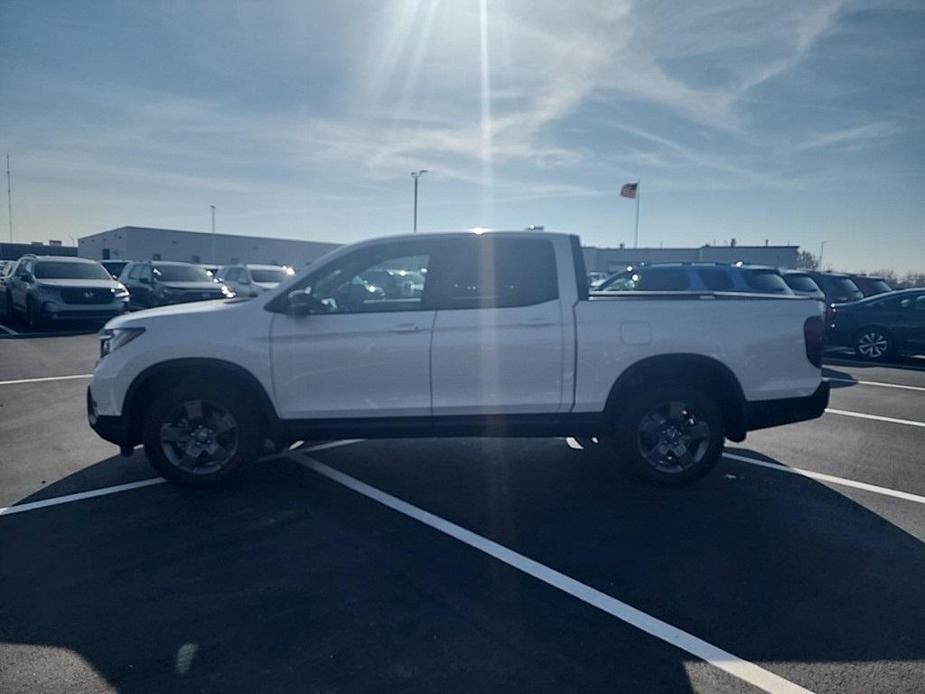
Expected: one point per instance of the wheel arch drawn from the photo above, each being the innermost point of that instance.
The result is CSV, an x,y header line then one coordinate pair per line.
x,y
687,367
165,374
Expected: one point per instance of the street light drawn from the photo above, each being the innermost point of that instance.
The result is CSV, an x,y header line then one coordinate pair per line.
x,y
416,175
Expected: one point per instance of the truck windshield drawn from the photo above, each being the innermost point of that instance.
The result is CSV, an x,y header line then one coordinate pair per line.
x,y
53,270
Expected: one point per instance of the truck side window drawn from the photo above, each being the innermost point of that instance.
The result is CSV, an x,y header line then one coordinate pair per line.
x,y
393,283
500,273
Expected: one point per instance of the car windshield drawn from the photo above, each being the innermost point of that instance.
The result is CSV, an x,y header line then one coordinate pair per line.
x,y
844,285
765,281
181,273
878,286
59,270
801,283
269,276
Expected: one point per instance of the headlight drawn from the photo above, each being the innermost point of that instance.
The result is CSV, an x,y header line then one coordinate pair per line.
x,y
113,339
119,292
227,291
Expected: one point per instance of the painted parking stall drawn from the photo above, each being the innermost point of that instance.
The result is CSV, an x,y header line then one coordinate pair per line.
x,y
510,562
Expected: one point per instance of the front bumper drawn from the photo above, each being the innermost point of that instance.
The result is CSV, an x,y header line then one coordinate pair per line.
x,y
112,428
58,310
762,414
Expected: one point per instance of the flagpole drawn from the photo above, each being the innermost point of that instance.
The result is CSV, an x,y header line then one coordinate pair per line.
x,y
638,195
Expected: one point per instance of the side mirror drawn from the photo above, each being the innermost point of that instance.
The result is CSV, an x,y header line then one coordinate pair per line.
x,y
302,303
144,280
25,276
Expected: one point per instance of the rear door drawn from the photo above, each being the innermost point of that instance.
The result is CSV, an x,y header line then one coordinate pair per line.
x,y
498,342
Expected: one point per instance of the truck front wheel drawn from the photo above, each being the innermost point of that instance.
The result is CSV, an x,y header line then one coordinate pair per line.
x,y
199,433
670,434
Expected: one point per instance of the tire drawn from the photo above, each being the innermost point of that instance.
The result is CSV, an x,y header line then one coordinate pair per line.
x,y
33,315
873,344
671,434
199,433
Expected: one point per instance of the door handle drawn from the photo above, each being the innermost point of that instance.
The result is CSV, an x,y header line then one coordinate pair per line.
x,y
537,323
406,328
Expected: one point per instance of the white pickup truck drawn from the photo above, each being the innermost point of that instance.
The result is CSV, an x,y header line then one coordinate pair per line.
x,y
456,334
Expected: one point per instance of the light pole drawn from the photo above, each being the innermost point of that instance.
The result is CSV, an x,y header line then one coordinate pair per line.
x,y
213,233
416,175
821,251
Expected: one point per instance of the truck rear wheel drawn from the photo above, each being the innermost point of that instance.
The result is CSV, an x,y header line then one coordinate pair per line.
x,y
199,434
670,434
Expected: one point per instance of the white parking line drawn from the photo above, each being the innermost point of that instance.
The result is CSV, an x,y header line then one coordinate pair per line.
x,y
43,379
8,331
828,478
54,501
738,667
105,491
873,383
876,417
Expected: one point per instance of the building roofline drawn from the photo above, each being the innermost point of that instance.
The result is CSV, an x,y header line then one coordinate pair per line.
x,y
206,234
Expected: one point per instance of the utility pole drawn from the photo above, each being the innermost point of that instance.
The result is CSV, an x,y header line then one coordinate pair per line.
x,y
9,195
821,251
213,233
416,175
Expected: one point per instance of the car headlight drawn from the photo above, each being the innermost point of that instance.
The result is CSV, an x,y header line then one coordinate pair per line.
x,y
119,292
114,338
227,291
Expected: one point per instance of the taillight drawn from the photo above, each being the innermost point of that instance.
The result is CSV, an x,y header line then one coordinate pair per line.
x,y
814,336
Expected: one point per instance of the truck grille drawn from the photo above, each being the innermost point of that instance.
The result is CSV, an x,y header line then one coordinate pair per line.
x,y
86,296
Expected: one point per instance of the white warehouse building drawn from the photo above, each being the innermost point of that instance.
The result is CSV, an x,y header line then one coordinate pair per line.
x,y
144,243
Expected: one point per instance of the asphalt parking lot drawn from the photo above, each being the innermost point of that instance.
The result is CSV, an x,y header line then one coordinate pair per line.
x,y
462,565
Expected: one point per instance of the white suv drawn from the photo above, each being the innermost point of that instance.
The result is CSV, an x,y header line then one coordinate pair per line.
x,y
252,280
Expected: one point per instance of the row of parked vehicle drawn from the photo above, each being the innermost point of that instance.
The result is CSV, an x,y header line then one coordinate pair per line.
x,y
47,289
862,312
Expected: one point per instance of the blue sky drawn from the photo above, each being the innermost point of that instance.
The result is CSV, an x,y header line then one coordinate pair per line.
x,y
795,122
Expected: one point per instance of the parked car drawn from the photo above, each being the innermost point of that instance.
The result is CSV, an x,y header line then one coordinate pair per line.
x,y
252,280
211,269
871,286
838,288
114,267
5,271
59,288
882,326
160,282
503,340
802,284
719,277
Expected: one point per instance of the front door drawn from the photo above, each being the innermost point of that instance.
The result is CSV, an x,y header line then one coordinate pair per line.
x,y
366,353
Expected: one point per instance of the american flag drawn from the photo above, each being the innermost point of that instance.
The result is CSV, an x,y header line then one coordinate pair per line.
x,y
629,190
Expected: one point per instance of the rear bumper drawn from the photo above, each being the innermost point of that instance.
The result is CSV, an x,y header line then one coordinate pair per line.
x,y
771,413
112,428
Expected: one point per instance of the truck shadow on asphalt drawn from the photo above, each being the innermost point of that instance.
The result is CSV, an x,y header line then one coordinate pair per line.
x,y
289,581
